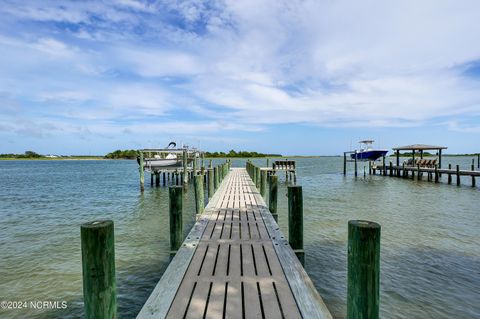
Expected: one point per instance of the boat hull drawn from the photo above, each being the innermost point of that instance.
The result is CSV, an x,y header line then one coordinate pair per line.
x,y
369,155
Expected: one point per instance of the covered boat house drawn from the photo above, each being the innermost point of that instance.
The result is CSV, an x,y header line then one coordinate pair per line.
x,y
420,148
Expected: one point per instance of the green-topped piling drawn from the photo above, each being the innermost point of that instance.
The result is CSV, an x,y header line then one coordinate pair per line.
x,y
272,196
363,289
175,210
98,265
199,194
295,221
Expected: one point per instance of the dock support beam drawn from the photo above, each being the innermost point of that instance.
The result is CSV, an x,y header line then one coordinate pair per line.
x,y
473,176
295,221
185,167
363,269
272,196
458,175
216,178
263,184
175,210
199,194
98,264
141,169
356,172
211,186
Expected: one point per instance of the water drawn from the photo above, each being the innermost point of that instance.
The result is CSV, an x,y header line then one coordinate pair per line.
x,y
430,253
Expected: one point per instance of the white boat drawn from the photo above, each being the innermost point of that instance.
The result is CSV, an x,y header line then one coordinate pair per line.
x,y
368,153
170,157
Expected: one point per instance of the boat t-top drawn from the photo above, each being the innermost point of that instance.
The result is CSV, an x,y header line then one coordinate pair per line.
x,y
169,157
367,153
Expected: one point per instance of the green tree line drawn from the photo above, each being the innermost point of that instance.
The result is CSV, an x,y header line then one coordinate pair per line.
x,y
233,153
122,154
27,154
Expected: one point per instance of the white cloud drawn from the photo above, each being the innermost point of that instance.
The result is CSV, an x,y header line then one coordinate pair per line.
x,y
328,63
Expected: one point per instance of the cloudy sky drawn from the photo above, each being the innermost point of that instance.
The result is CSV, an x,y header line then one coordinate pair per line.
x,y
294,77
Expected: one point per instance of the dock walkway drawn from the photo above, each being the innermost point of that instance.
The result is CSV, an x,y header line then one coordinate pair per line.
x,y
235,263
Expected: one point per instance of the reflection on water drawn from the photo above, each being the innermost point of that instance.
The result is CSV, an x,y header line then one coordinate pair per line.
x,y
430,255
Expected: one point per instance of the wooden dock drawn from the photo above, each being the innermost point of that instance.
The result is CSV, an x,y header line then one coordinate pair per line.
x,y
235,263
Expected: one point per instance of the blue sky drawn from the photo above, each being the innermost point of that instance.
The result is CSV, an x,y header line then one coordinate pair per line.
x,y
292,77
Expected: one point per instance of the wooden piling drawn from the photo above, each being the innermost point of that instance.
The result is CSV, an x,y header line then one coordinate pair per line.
x,y
151,179
356,172
263,184
199,194
215,178
141,170
436,174
164,179
185,167
272,196
295,221
449,175
391,169
458,175
257,177
473,176
211,186
157,179
384,168
363,270
344,163
98,264
194,164
176,224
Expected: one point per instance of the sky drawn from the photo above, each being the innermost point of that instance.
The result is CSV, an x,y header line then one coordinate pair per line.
x,y
296,77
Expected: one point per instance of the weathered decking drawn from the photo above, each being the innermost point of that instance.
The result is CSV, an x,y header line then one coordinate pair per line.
x,y
235,263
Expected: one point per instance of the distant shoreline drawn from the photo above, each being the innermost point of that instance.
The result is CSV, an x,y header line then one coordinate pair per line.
x,y
97,158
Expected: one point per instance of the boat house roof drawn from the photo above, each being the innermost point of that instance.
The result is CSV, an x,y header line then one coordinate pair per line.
x,y
419,147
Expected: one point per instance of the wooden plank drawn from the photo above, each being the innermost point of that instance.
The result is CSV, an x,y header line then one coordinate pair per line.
x,y
229,276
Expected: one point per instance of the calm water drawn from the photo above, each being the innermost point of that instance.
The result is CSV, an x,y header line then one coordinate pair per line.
x,y
430,257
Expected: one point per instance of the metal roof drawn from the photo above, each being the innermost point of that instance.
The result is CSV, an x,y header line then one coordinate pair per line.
x,y
419,147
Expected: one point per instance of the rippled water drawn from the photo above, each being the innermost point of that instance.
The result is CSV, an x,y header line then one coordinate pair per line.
x,y
430,253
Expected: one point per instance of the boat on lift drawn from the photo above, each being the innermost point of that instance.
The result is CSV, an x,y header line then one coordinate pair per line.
x,y
367,153
169,157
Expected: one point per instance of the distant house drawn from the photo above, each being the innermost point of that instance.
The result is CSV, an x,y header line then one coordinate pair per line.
x,y
52,156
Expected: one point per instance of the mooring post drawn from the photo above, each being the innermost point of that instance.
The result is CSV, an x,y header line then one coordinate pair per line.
x,y
257,177
436,174
175,209
449,174
98,265
344,163
164,178
356,173
369,167
263,184
157,179
272,196
211,185
185,167
391,169
473,176
194,163
295,221
458,175
151,179
363,289
384,167
404,172
199,194
141,169
215,178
